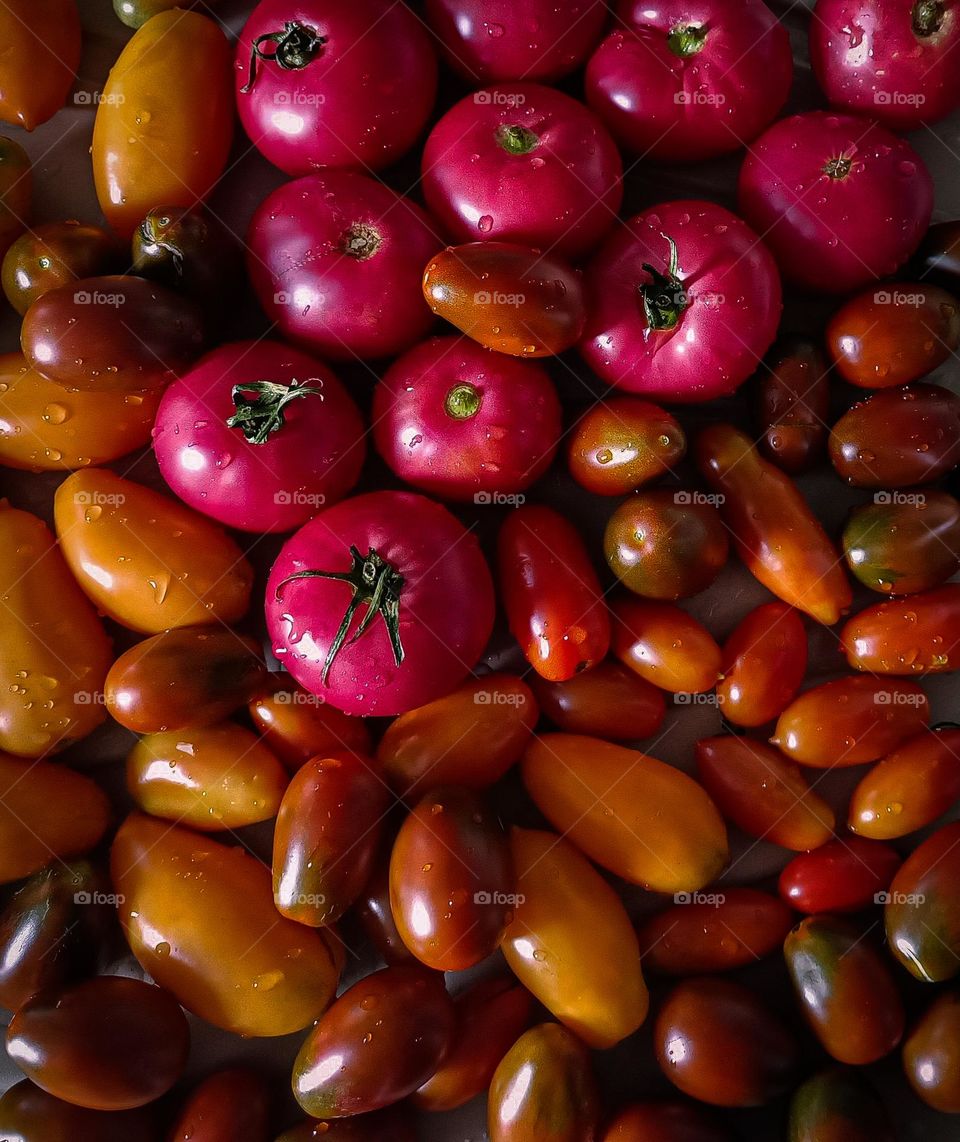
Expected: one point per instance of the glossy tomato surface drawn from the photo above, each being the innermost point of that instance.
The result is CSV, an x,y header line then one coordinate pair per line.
x,y
622,443
607,701
28,1113
845,875
838,1105
792,398
231,1103
298,726
764,663
917,635
664,645
43,54
55,254
931,1055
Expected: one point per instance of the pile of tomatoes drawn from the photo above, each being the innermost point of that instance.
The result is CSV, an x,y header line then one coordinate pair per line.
x,y
380,598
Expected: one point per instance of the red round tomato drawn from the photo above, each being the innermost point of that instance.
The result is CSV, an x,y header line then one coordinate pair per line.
x,y
334,83
684,300
380,604
336,261
681,83
523,163
463,423
259,436
892,60
839,200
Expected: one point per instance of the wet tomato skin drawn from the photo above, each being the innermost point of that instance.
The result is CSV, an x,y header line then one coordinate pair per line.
x,y
607,701
390,1033
916,635
297,725
792,399
837,1106
16,191
717,1042
394,1123
231,1103
931,1054
28,1113
850,721
623,443
551,593
451,877
43,56
375,916
52,255
664,1122
845,990
664,645
841,876
764,663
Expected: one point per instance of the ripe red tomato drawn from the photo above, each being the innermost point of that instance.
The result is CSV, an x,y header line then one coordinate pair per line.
x,y
892,60
41,56
683,302
422,589
841,876
336,259
464,423
523,163
839,200
688,82
259,436
333,83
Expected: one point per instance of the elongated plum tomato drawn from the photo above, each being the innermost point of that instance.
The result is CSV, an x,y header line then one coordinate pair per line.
x,y
607,701
893,62
231,1103
335,259
916,635
54,254
623,443
683,301
333,83
380,604
462,423
53,659
844,875
297,725
764,662
792,398
165,120
26,1111
43,54
685,84
259,436
838,1105
839,200
931,1055
523,163
664,645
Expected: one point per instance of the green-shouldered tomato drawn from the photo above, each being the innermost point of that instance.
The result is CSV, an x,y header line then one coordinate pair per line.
x,y
837,1106
931,1054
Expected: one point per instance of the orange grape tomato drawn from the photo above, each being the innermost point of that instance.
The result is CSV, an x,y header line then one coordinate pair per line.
x,y
623,443
764,663
607,701
298,725
40,59
665,645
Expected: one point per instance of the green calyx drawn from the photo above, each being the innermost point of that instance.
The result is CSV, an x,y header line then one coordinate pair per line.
x,y
517,140
664,298
927,18
260,406
294,46
839,167
686,40
463,401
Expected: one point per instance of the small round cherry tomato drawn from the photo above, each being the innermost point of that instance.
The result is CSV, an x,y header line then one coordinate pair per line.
x,y
838,1106
52,255
845,875
845,990
623,443
665,645
931,1055
16,189
511,298
606,701
41,57
551,593
28,1113
793,404
297,725
720,1043
916,635
231,1103
764,663
664,1122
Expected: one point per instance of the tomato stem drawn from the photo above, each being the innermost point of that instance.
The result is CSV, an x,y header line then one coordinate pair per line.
x,y
838,167
260,415
463,401
374,582
295,45
360,241
517,140
664,298
927,17
687,39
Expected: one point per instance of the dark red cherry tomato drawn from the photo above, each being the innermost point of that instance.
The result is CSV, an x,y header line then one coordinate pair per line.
x,y
375,917
297,725
764,662
838,1106
606,701
623,443
845,875
664,645
931,1054
29,1114
916,635
793,404
233,1103
52,255
664,1122
42,57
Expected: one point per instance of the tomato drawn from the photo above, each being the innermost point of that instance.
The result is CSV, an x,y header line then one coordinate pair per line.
x,y
551,593
644,820
544,1090
41,59
683,85
718,1042
53,659
595,987
16,188
207,777
931,1055
327,836
764,663
683,302
523,163
380,1041
916,635
411,565
28,1114
665,645
890,62
470,737
485,40
375,916
135,13
490,1016
347,83
510,298
391,1125
837,1106
111,334
606,701
666,545
622,443
839,200
776,535
259,437
845,990
145,560
52,255
108,1044
938,259
335,260
735,928
664,1122
297,725
920,913
898,438
232,1103
909,788
763,793
845,875
164,119
793,404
